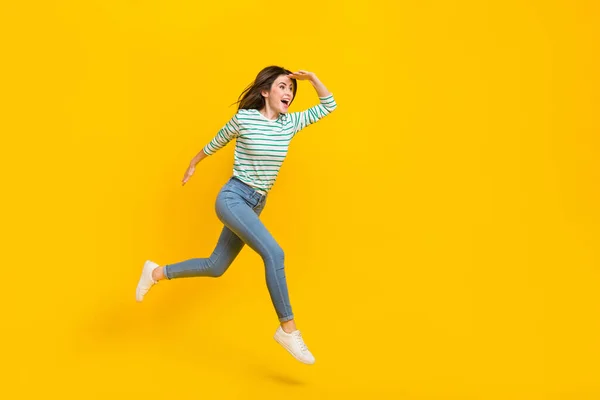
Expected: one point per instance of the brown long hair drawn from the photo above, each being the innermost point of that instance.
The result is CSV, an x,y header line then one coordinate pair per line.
x,y
251,98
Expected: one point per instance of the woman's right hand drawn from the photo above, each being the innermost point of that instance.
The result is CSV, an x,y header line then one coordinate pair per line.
x,y
188,174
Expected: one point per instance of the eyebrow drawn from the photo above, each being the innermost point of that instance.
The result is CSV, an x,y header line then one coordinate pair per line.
x,y
282,82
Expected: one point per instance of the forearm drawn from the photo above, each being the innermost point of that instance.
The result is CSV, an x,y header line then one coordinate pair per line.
x,y
319,87
198,157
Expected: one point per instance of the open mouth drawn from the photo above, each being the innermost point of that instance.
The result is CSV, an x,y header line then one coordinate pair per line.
x,y
286,102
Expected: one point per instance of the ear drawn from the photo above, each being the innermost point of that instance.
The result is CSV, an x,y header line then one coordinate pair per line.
x,y
264,93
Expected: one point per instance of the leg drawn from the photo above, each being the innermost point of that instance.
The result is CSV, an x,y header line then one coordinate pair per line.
x,y
226,250
240,217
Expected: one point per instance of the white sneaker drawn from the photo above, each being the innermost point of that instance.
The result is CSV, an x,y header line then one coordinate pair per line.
x,y
293,343
146,281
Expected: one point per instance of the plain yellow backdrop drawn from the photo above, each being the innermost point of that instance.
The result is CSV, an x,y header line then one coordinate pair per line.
x,y
441,227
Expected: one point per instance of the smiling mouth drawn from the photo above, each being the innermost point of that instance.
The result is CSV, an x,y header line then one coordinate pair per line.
x,y
286,102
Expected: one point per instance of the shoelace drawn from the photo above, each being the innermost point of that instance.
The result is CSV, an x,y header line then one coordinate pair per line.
x,y
298,337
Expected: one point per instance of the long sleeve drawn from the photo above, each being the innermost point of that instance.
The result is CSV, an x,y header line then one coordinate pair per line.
x,y
302,119
230,131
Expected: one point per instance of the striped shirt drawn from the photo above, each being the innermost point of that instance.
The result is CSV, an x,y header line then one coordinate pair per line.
x,y
262,144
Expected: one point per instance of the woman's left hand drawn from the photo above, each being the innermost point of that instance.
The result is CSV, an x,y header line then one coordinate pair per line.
x,y
302,75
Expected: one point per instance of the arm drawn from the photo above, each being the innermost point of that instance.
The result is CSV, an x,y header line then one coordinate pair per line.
x,y
312,78
224,136
319,87
327,103
230,131
198,157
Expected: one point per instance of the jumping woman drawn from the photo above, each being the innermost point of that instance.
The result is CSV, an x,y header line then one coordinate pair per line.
x,y
263,130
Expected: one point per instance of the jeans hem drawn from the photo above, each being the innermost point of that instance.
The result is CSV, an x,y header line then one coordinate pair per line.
x,y
286,319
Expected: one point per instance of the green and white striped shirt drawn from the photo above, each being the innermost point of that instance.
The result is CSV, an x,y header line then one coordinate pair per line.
x,y
262,144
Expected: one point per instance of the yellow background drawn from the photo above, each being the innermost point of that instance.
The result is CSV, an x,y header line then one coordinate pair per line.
x,y
441,226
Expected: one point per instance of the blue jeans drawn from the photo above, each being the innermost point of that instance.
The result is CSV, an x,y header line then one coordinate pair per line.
x,y
239,206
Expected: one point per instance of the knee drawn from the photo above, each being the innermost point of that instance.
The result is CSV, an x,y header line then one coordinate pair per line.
x,y
217,268
276,255
216,273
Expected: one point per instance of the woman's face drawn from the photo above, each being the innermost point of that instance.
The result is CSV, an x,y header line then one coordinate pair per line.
x,y
281,94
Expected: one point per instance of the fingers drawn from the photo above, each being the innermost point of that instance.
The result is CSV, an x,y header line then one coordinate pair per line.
x,y
188,174
299,75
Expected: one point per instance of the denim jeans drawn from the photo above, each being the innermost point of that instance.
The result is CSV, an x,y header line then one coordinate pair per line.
x,y
239,206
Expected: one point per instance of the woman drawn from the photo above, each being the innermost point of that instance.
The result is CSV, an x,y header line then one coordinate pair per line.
x,y
263,130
